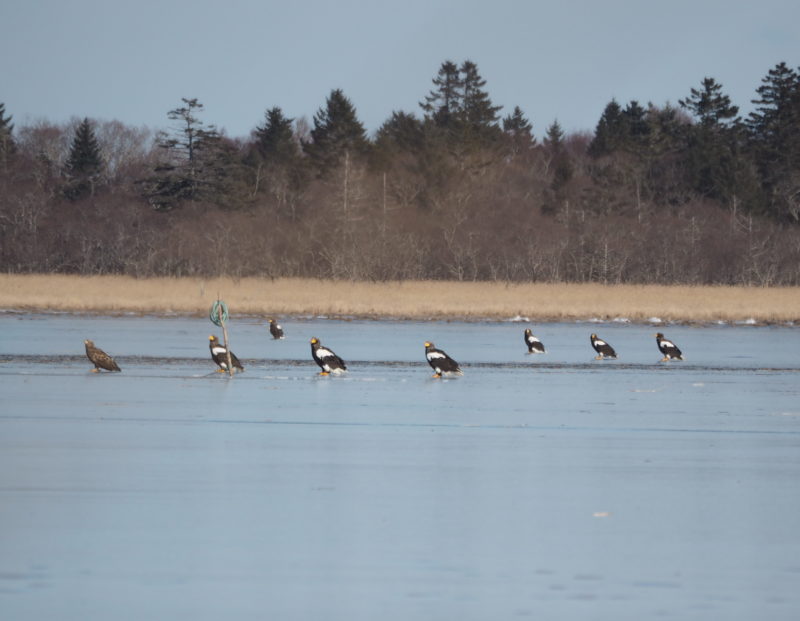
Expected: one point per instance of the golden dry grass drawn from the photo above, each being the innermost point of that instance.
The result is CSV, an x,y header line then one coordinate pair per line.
x,y
421,300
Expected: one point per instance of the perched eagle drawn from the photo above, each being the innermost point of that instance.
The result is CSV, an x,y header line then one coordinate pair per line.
x,y
535,346
99,358
219,355
668,348
326,359
603,349
440,362
275,329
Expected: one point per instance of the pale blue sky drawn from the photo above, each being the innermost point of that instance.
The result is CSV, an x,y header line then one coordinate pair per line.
x,y
565,60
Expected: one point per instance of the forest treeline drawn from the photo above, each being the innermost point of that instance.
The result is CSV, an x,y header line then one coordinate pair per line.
x,y
691,194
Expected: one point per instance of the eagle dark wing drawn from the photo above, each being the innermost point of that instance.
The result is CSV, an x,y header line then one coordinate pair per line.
x,y
235,362
669,349
441,362
328,361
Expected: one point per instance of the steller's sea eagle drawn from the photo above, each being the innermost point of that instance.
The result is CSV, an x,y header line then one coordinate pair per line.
x,y
603,349
668,348
535,346
275,329
326,359
440,362
219,355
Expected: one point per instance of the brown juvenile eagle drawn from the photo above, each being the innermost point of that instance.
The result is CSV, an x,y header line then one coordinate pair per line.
x,y
99,358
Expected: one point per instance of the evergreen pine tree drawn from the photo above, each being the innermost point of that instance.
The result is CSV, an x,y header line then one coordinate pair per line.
x,y
621,129
275,157
84,164
554,138
275,139
337,133
196,163
775,135
402,131
559,158
477,111
710,106
7,145
443,105
519,132
711,144
636,128
610,132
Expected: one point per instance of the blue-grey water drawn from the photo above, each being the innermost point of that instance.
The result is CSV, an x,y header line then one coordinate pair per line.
x,y
546,487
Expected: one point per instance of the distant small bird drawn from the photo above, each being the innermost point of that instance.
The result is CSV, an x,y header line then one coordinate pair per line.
x,y
668,348
99,358
440,362
535,346
275,329
603,349
326,359
219,355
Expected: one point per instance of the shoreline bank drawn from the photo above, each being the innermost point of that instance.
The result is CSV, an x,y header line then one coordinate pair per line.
x,y
410,300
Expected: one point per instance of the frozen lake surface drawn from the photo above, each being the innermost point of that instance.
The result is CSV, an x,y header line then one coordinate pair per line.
x,y
542,487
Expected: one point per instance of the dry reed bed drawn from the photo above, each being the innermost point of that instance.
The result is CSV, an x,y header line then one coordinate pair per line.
x,y
420,300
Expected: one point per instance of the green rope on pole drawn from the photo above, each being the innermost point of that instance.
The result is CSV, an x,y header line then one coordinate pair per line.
x,y
218,310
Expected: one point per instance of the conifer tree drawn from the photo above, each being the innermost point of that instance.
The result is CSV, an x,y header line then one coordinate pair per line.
x,y
275,159
775,134
711,144
7,145
621,129
337,133
636,127
443,105
710,106
554,138
519,132
559,158
275,139
477,111
84,164
402,131
196,164
609,133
